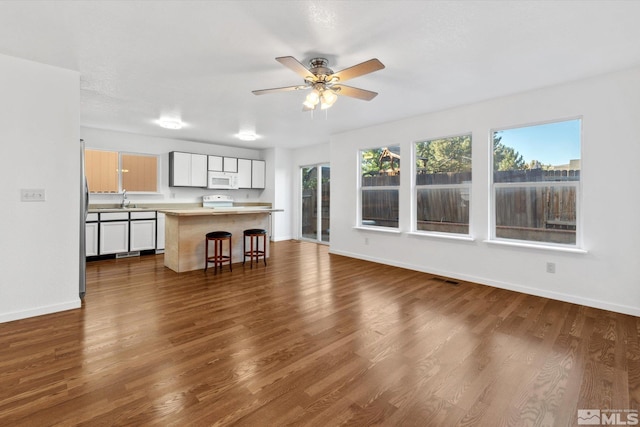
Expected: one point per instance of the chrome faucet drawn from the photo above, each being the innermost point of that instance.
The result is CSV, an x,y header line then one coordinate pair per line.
x,y
125,202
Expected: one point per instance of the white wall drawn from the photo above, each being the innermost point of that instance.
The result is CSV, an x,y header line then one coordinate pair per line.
x,y
307,156
607,276
39,243
279,191
133,143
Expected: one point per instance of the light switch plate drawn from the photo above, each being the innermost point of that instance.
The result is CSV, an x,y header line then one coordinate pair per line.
x,y
32,195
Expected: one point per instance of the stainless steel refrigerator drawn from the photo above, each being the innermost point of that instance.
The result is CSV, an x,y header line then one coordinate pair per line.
x,y
84,208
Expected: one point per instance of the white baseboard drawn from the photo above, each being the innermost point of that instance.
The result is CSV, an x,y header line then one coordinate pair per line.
x,y
575,299
39,311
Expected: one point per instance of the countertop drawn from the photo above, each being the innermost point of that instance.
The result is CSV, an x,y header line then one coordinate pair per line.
x,y
236,210
188,209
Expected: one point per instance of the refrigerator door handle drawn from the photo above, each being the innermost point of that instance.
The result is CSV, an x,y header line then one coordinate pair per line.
x,y
86,198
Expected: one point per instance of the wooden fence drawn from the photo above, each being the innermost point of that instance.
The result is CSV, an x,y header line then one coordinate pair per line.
x,y
540,213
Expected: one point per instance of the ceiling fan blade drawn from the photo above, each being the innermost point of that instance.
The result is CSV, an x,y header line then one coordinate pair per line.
x,y
279,89
295,65
358,70
354,92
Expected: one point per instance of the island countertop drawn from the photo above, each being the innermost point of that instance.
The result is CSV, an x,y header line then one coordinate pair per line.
x,y
234,210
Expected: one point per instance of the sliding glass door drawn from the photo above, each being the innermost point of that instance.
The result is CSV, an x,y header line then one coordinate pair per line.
x,y
315,185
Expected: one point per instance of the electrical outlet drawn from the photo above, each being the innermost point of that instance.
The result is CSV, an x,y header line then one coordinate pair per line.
x,y
551,267
366,240
32,195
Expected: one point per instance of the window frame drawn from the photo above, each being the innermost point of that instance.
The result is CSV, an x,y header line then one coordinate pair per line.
x,y
415,188
361,188
493,186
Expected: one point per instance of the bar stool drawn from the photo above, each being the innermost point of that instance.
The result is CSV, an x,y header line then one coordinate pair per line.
x,y
218,258
254,251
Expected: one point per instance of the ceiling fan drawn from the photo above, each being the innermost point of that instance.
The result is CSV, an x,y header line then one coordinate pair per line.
x,y
325,85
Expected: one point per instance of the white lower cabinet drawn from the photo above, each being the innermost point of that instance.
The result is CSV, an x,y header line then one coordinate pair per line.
x,y
143,235
91,238
114,237
121,232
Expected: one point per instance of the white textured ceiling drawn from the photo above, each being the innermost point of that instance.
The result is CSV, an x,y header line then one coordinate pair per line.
x,y
200,60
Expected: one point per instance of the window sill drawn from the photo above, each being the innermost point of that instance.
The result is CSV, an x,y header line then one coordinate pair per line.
x,y
447,236
378,229
521,244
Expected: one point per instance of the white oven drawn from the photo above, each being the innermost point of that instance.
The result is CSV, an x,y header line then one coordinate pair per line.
x,y
222,180
217,201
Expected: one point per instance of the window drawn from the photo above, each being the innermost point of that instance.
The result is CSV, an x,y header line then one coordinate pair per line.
x,y
380,187
139,172
113,172
443,185
536,183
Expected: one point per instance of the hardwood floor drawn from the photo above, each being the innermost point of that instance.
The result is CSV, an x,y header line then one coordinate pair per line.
x,y
312,339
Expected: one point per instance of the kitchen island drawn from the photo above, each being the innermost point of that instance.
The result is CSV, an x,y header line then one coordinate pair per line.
x,y
185,231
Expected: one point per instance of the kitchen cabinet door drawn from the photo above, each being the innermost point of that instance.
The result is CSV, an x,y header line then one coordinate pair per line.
x,y
179,169
114,237
198,170
230,164
143,235
244,173
214,163
257,173
91,239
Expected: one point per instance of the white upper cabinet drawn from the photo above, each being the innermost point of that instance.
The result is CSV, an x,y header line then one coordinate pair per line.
x,y
257,173
215,163
180,167
198,170
187,170
244,173
190,170
230,164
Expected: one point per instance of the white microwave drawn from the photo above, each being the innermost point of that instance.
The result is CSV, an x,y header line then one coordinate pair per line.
x,y
222,180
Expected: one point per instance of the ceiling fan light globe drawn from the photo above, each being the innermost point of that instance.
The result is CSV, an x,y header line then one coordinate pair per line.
x,y
329,97
313,97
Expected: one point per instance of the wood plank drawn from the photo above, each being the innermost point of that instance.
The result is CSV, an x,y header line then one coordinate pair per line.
x,y
312,339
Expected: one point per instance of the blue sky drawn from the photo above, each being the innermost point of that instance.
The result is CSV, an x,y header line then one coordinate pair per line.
x,y
551,143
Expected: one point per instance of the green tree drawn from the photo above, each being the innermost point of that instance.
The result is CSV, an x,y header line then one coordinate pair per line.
x,y
506,158
445,155
371,162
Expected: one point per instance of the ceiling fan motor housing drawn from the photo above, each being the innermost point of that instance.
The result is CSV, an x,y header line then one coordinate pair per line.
x,y
319,68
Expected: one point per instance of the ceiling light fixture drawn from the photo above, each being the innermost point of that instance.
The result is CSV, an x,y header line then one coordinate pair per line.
x,y
321,94
170,124
247,136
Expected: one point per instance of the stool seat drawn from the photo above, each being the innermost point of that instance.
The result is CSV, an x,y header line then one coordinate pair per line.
x,y
217,237
254,252
218,234
254,231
